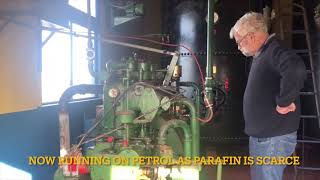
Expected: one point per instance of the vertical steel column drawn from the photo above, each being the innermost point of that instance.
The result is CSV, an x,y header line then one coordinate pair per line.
x,y
209,80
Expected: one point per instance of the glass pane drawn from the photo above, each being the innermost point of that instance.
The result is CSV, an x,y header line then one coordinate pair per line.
x,y
82,6
56,66
80,70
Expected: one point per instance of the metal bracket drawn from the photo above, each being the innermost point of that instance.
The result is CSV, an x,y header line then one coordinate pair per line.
x,y
169,74
47,39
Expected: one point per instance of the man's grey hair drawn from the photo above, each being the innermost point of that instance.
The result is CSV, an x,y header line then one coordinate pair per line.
x,y
250,22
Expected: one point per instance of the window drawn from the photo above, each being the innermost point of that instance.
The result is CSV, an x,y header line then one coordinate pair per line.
x,y
64,61
82,6
56,66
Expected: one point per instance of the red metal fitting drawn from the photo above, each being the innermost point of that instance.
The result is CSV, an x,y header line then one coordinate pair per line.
x,y
125,143
226,84
83,169
110,139
72,167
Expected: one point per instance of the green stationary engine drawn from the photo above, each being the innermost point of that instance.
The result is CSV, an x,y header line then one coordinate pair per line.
x,y
145,129
142,129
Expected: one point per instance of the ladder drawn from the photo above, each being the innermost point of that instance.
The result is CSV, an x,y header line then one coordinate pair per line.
x,y
314,92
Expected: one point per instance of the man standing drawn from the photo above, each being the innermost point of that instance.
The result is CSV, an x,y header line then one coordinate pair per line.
x,y
271,104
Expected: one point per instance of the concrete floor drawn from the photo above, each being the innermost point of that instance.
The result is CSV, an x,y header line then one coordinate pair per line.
x,y
241,172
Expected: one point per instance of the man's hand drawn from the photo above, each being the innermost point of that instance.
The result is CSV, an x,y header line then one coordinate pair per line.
x,y
286,110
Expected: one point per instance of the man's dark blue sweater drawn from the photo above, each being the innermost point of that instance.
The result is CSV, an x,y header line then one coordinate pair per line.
x,y
276,77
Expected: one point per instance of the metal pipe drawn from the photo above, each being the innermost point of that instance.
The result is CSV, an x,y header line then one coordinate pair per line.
x,y
209,80
209,113
219,171
103,75
91,53
89,24
78,89
209,37
64,115
195,126
126,133
140,47
186,130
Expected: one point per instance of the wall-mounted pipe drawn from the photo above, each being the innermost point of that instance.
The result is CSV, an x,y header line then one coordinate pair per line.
x,y
91,53
186,130
209,37
64,115
79,89
209,80
103,75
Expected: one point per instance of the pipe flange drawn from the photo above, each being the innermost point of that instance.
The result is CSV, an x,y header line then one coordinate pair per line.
x,y
90,54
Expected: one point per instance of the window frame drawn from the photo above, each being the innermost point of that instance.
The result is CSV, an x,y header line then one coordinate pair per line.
x,y
95,45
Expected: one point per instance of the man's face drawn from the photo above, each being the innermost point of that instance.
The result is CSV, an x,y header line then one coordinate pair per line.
x,y
245,43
